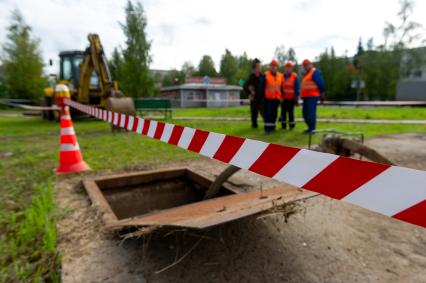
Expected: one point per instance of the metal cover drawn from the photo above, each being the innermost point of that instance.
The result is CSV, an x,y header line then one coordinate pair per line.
x,y
232,205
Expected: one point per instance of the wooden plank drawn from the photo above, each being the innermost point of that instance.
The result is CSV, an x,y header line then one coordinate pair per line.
x,y
204,214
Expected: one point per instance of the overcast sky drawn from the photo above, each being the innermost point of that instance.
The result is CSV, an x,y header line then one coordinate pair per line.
x,y
183,30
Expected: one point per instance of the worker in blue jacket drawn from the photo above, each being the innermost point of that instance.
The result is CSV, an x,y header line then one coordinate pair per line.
x,y
312,90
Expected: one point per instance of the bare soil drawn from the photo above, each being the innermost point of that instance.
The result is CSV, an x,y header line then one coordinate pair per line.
x,y
326,241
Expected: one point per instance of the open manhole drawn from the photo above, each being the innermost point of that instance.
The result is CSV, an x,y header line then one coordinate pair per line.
x,y
174,197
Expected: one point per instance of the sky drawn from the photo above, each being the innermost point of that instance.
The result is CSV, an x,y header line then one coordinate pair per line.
x,y
185,30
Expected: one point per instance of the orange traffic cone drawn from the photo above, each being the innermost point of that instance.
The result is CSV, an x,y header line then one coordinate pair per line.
x,y
70,157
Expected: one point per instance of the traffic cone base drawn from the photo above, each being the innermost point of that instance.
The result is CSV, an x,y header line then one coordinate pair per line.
x,y
73,168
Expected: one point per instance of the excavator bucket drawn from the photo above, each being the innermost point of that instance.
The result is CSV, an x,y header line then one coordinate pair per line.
x,y
121,105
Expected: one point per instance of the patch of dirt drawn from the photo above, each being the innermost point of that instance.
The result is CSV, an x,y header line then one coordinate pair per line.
x,y
408,150
328,241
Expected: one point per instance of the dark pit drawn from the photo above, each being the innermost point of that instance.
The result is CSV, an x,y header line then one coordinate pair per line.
x,y
144,193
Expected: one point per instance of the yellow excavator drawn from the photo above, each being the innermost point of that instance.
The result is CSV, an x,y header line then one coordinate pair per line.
x,y
87,75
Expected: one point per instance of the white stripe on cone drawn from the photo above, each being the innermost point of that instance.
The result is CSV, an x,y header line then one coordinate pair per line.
x,y
67,131
69,147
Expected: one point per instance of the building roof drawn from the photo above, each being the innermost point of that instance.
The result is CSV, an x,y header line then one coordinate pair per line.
x,y
198,86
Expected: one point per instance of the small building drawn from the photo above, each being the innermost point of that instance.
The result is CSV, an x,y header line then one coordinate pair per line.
x,y
202,92
412,85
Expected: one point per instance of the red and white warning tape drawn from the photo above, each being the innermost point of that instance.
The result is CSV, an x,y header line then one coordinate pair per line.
x,y
390,190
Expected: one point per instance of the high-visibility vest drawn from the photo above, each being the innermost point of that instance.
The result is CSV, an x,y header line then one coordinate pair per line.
x,y
308,87
289,86
273,85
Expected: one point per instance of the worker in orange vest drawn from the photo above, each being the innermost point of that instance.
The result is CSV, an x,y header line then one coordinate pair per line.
x,y
271,85
291,92
312,90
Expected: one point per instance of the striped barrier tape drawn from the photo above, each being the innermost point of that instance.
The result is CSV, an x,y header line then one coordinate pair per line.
x,y
394,191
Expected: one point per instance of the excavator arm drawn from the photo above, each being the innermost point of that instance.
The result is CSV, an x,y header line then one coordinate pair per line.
x,y
109,95
95,60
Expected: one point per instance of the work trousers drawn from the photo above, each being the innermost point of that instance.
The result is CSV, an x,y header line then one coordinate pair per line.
x,y
271,113
256,107
310,112
287,110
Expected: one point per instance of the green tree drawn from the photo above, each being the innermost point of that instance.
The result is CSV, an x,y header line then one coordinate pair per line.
x,y
188,69
357,63
22,61
2,84
174,77
404,33
360,51
136,79
370,44
244,67
116,65
380,70
395,58
282,56
206,67
229,67
337,75
291,55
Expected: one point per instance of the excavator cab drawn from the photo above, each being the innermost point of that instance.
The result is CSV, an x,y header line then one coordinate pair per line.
x,y
69,69
69,72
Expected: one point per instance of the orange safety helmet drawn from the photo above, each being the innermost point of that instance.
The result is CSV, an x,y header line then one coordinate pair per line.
x,y
289,64
274,63
306,62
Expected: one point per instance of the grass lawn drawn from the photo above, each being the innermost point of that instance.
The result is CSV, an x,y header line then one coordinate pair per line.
x,y
396,113
29,154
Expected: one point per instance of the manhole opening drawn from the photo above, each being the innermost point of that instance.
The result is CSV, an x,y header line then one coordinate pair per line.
x,y
135,195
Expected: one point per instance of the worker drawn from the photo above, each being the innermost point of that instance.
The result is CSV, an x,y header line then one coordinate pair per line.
x,y
312,90
271,86
251,87
291,92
